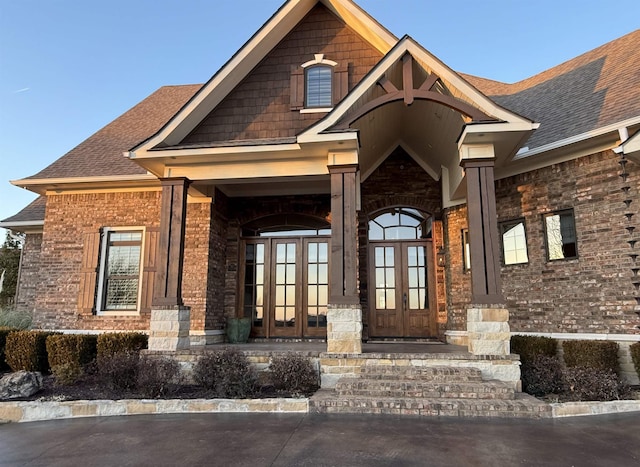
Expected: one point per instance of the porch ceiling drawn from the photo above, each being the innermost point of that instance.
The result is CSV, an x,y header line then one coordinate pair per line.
x,y
427,130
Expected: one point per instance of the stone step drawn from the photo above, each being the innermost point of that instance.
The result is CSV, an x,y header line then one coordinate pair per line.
x,y
423,373
524,406
424,389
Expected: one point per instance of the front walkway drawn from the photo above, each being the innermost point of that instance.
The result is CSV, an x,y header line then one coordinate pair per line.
x,y
315,348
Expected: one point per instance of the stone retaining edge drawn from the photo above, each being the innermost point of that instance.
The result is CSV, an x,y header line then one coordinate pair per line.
x,y
31,411
577,409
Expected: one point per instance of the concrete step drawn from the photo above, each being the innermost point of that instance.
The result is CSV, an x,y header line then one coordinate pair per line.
x,y
423,373
523,406
424,389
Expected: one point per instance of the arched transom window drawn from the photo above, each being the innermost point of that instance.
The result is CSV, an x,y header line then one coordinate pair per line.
x,y
400,224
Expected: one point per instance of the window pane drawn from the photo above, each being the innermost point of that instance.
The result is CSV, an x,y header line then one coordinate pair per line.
x,y
561,235
514,243
318,86
121,271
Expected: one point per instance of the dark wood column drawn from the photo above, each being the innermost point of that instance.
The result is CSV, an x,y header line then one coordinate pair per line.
x,y
168,283
484,242
343,275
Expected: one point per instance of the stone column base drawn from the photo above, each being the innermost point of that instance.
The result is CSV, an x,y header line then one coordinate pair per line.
x,y
344,329
169,328
488,330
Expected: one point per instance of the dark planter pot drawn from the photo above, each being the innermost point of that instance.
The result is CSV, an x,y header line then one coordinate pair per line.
x,y
238,330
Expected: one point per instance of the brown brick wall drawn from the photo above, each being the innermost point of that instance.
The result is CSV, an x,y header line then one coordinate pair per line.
x,y
68,218
398,181
260,106
29,273
590,294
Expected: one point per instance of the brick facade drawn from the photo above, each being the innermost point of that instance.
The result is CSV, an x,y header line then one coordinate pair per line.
x,y
590,294
29,273
260,106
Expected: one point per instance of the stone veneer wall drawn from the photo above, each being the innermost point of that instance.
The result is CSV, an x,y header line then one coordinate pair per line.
x,y
399,181
590,294
29,272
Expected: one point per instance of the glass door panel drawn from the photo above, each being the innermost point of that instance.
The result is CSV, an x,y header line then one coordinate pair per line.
x,y
317,287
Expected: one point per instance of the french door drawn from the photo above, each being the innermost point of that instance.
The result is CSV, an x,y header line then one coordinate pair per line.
x,y
401,289
285,286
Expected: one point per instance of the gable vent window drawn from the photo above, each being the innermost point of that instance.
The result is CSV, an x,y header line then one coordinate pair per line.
x,y
318,86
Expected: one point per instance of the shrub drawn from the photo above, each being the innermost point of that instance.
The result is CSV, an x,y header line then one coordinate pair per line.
x,y
71,348
4,332
119,371
591,384
601,355
529,347
227,373
66,373
16,319
542,376
294,374
27,350
157,377
634,349
115,342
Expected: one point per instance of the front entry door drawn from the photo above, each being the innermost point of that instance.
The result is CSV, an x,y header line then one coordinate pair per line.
x,y
286,286
401,298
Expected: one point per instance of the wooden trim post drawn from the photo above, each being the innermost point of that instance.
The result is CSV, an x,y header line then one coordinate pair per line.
x,y
343,276
484,241
168,280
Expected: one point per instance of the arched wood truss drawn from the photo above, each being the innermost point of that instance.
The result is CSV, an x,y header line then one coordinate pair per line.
x,y
408,94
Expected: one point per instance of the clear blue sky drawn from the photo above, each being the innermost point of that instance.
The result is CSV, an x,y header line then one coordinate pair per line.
x,y
69,67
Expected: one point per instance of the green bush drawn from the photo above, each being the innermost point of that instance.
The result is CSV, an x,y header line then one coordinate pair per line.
x,y
226,373
294,374
68,353
542,376
115,342
634,349
27,350
593,384
601,355
4,332
157,377
71,348
529,347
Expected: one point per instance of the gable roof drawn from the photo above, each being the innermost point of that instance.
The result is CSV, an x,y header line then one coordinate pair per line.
x,y
595,90
252,52
30,216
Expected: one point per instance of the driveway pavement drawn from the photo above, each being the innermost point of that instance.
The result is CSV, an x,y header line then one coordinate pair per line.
x,y
321,440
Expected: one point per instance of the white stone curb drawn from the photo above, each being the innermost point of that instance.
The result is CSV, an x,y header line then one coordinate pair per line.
x,y
576,409
31,411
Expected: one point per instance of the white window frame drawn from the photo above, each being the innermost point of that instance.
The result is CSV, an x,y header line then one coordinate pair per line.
x,y
102,271
318,60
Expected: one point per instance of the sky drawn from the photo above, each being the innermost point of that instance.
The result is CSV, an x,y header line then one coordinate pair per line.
x,y
69,67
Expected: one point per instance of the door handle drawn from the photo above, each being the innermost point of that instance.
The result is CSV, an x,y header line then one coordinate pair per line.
x,y
404,301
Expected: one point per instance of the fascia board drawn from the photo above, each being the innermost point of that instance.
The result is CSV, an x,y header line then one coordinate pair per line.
x,y
578,138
